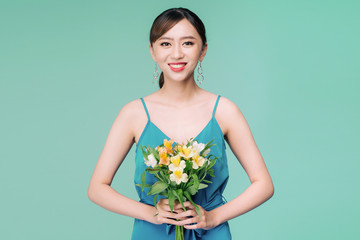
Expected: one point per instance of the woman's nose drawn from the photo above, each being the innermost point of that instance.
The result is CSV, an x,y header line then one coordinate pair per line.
x,y
177,52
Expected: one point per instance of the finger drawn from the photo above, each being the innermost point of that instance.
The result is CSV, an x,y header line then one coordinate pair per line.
x,y
187,205
178,206
164,200
188,213
170,221
193,226
167,215
189,221
165,208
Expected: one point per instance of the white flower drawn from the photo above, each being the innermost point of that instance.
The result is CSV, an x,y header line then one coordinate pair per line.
x,y
151,161
198,146
187,152
206,152
177,164
198,162
178,176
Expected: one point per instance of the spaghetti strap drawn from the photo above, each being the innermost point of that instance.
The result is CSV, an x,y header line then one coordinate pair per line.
x,y
217,100
147,113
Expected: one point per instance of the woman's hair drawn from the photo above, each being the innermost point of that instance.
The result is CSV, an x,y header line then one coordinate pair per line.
x,y
167,19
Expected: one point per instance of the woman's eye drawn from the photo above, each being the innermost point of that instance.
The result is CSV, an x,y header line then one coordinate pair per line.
x,y
164,44
189,43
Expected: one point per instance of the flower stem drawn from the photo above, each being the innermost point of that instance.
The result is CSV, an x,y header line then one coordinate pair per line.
x,y
179,232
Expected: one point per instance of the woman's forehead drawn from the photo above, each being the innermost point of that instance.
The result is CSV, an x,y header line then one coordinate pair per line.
x,y
182,29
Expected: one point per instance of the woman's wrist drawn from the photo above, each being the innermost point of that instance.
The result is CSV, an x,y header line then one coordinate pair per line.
x,y
149,213
214,218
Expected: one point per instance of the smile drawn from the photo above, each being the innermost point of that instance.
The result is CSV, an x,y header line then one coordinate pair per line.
x,y
177,67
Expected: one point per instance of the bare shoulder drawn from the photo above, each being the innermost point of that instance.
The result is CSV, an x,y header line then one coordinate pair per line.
x,y
228,114
130,109
226,105
133,115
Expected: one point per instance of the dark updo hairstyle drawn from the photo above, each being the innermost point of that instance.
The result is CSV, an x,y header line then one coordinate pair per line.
x,y
167,19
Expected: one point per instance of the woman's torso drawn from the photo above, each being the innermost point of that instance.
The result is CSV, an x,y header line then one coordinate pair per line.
x,y
210,197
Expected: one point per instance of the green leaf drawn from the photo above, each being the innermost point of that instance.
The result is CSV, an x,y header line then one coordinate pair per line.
x,y
157,188
188,165
207,181
155,153
201,186
192,190
173,184
155,198
188,196
211,173
196,181
207,146
179,195
212,163
209,143
164,193
201,174
144,186
165,177
143,179
171,198
145,154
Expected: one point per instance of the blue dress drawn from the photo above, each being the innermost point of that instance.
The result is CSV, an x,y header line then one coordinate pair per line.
x,y
209,198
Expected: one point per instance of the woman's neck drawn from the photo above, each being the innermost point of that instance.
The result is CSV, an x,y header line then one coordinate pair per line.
x,y
183,92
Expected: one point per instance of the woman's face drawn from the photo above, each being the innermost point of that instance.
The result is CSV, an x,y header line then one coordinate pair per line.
x,y
178,51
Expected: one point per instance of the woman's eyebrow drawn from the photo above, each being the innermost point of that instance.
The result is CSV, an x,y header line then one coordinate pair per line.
x,y
185,37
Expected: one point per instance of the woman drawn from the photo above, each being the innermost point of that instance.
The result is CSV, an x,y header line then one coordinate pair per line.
x,y
179,111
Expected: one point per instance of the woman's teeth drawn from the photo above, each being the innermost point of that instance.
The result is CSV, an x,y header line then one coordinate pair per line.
x,y
177,65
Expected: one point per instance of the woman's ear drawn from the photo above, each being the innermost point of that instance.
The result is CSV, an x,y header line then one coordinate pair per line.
x,y
152,53
203,52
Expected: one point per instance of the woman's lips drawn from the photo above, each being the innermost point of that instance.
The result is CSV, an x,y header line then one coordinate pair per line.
x,y
177,67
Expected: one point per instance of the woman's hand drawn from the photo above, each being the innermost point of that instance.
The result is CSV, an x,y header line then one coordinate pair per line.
x,y
163,213
183,218
206,221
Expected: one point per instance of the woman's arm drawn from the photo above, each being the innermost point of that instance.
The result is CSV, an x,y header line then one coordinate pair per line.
x,y
242,144
117,145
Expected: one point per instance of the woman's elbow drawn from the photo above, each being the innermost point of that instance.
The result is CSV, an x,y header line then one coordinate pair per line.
x,y
91,192
271,189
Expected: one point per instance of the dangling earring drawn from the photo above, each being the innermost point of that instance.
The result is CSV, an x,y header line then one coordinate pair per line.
x,y
200,77
155,74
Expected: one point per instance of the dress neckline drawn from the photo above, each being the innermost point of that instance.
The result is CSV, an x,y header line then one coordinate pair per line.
x,y
149,123
206,126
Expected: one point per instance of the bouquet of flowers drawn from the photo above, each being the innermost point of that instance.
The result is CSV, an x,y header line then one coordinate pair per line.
x,y
180,170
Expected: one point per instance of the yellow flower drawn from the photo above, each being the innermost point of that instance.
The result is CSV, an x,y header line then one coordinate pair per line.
x,y
186,152
161,149
164,159
198,162
177,164
175,160
168,145
178,176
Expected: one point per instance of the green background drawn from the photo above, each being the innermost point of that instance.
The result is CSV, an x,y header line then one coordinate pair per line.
x,y
68,67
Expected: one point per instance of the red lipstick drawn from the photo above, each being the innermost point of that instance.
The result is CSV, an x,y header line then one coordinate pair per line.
x,y
178,66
